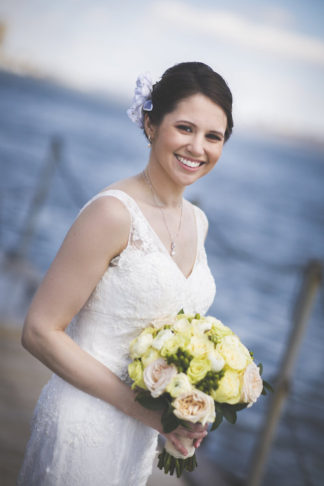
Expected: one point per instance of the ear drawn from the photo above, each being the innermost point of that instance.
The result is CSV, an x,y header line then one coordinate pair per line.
x,y
149,128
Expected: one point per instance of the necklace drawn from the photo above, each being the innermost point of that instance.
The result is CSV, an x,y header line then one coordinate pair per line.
x,y
161,208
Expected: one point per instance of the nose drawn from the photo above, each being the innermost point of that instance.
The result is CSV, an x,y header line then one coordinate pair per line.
x,y
196,145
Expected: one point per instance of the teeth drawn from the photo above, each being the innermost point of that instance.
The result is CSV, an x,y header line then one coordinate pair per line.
x,y
187,162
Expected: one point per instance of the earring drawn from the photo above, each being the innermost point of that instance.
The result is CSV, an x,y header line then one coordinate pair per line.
x,y
150,140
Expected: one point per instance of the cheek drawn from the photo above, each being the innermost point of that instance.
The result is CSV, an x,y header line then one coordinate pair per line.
x,y
215,154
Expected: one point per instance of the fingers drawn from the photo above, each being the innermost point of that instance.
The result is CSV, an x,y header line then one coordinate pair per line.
x,y
192,434
178,445
197,443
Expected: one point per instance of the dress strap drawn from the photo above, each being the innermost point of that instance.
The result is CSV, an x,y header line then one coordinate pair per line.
x,y
117,193
202,228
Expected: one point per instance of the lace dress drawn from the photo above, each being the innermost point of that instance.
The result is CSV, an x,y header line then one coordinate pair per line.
x,y
80,440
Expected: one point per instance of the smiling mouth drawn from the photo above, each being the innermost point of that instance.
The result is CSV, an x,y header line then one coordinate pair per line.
x,y
193,164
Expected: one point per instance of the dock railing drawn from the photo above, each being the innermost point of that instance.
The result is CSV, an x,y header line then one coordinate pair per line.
x,y
312,277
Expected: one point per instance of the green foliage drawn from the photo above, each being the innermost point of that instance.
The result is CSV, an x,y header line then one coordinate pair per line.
x,y
210,381
169,420
181,359
170,464
260,366
180,312
227,411
146,400
213,338
266,387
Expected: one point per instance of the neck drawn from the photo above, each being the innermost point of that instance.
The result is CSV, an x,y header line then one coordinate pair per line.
x,y
167,192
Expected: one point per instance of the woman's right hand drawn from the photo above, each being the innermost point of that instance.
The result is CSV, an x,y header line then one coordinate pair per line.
x,y
197,432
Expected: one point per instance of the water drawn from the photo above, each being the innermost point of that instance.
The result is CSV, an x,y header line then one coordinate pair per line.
x,y
265,204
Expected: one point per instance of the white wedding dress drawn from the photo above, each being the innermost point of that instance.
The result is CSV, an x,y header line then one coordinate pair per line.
x,y
77,439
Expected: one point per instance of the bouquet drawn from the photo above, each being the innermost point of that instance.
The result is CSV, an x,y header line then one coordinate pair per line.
x,y
195,369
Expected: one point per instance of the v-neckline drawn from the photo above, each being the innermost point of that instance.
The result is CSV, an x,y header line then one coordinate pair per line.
x,y
161,244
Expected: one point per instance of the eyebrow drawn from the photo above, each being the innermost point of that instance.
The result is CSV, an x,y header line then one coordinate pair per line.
x,y
209,131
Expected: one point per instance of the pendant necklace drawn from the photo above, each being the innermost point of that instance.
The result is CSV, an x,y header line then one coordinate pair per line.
x,y
161,208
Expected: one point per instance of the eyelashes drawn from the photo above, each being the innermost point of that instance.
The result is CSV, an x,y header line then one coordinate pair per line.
x,y
188,129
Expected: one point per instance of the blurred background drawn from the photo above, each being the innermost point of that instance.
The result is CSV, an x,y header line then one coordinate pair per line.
x,y
67,75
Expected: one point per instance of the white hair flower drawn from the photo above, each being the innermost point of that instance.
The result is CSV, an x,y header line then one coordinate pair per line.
x,y
142,99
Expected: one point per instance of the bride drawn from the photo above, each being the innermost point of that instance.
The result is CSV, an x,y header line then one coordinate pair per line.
x,y
135,253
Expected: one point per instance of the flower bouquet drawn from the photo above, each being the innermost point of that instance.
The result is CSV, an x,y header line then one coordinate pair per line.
x,y
195,369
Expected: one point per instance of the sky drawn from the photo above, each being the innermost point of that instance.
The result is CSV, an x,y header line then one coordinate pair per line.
x,y
271,53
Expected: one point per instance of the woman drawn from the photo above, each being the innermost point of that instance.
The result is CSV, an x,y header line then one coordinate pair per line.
x,y
134,254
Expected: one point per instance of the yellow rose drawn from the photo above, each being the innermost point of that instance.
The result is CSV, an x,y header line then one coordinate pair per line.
x,y
235,354
171,346
228,390
218,330
198,369
179,385
135,371
149,356
199,346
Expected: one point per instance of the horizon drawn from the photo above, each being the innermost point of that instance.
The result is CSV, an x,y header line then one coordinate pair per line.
x,y
271,56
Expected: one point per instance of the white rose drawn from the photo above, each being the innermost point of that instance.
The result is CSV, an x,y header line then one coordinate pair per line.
x,y
186,442
157,376
161,338
202,325
181,325
195,406
179,385
216,361
200,346
252,385
140,345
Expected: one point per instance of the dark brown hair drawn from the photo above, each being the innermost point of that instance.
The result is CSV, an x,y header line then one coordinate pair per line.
x,y
184,80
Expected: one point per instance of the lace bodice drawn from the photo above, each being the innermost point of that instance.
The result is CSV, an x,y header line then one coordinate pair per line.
x,y
77,439
141,284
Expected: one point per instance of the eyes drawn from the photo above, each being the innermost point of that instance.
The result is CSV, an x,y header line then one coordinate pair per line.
x,y
210,135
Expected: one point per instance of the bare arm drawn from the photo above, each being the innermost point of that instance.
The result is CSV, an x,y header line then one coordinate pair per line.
x,y
100,233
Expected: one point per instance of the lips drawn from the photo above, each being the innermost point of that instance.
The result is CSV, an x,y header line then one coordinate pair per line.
x,y
190,163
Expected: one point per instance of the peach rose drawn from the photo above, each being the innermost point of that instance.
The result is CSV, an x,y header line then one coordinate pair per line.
x,y
194,406
252,384
157,376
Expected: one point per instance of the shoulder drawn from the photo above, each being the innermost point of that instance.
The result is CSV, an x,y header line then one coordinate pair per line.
x,y
105,208
104,220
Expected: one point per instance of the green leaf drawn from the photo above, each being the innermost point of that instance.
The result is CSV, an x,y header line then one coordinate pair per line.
x,y
267,386
229,414
169,420
180,312
147,401
218,420
238,406
260,366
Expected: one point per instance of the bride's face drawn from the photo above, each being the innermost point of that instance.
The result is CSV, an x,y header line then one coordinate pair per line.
x,y
189,141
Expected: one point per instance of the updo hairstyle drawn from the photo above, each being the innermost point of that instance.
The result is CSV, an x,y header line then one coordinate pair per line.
x,y
184,80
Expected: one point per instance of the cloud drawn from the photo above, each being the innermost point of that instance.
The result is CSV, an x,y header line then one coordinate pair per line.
x,y
241,31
